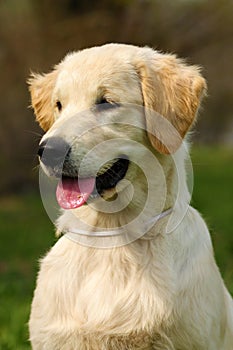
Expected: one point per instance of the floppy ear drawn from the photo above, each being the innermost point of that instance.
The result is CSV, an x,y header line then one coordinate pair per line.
x,y
41,89
173,90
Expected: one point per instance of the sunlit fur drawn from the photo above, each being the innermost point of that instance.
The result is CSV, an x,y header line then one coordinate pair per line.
x,y
41,88
163,291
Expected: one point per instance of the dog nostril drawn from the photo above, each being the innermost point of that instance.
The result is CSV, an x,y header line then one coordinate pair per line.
x,y
53,151
41,149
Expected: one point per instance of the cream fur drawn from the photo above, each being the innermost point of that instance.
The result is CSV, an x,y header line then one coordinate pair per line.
x,y
162,291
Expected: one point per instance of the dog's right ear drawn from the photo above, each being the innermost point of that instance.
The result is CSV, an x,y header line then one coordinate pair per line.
x,y
172,92
41,89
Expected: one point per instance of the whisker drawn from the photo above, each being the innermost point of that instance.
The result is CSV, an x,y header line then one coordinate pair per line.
x,y
36,168
33,133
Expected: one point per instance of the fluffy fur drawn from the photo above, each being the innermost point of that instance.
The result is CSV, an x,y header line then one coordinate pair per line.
x,y
162,291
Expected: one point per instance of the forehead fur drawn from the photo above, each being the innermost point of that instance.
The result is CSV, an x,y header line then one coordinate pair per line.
x,y
108,69
102,62
117,52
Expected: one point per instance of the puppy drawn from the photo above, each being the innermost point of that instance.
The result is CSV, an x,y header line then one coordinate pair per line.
x,y
135,266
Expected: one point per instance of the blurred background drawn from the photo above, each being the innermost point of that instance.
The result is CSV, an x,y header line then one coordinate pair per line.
x,y
35,35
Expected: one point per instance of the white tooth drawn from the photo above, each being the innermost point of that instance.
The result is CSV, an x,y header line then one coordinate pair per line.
x,y
93,196
106,167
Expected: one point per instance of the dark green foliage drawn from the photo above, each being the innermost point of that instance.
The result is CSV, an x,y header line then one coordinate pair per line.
x,y
35,35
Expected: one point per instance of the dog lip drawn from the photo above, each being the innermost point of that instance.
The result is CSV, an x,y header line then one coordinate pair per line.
x,y
107,179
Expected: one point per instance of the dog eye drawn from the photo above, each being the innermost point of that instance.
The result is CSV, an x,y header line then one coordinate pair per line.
x,y
59,105
104,104
101,101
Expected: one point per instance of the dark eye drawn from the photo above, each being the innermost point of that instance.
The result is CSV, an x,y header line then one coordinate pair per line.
x,y
59,105
101,101
103,104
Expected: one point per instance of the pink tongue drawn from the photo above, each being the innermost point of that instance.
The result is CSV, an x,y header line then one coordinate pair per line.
x,y
73,193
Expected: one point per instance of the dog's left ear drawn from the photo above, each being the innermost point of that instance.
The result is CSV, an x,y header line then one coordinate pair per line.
x,y
172,89
41,88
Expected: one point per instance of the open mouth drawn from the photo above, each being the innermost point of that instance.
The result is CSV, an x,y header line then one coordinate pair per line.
x,y
73,192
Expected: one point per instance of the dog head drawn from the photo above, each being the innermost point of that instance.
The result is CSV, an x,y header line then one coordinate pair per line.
x,y
82,103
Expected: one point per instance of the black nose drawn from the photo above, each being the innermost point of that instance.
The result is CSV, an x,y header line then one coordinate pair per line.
x,y
53,151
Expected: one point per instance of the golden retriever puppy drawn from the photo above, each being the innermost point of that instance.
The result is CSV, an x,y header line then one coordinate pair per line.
x,y
134,268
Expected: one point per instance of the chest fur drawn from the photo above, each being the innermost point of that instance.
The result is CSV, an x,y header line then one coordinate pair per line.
x,y
105,292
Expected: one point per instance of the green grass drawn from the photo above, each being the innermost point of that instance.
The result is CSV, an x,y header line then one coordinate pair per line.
x,y
27,233
213,197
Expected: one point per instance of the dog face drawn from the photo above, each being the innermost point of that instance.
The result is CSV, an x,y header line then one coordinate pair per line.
x,y
87,98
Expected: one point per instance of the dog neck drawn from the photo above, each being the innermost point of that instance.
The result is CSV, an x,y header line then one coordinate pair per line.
x,y
74,234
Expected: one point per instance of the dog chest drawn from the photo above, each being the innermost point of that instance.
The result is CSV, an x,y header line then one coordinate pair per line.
x,y
89,291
